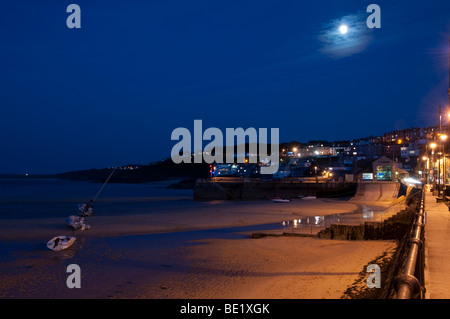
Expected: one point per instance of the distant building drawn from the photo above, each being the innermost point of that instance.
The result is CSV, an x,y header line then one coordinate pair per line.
x,y
284,170
413,134
408,151
402,149
235,170
130,167
384,169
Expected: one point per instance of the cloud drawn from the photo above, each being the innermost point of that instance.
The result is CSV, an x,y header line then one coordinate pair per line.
x,y
338,45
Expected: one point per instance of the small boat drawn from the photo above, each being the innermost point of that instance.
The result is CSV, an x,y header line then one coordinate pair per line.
x,y
85,209
77,223
280,200
60,242
309,197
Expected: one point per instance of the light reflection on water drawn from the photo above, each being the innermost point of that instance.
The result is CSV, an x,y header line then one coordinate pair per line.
x,y
363,214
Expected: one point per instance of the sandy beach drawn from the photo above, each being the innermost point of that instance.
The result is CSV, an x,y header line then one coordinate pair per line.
x,y
269,268
199,250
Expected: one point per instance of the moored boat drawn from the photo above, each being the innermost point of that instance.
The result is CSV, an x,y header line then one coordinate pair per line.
x,y
60,242
280,200
77,223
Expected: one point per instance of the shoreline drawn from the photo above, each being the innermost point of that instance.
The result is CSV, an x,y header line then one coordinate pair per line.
x,y
198,216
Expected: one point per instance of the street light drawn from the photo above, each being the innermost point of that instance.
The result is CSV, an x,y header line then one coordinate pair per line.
x,y
425,168
315,170
433,146
443,139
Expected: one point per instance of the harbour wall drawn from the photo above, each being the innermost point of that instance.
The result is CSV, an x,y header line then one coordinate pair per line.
x,y
246,190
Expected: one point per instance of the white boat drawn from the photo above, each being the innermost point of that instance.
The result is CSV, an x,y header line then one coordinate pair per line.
x,y
60,242
309,197
280,200
77,223
85,209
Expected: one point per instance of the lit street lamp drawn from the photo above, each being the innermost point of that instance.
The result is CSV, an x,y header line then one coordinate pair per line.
x,y
444,169
425,168
433,146
315,170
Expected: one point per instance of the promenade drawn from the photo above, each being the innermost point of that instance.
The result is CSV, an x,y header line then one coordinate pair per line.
x,y
437,249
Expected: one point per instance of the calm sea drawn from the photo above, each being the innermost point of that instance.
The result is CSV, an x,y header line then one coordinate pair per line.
x,y
43,198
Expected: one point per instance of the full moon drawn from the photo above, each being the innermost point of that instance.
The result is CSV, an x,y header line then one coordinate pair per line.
x,y
343,29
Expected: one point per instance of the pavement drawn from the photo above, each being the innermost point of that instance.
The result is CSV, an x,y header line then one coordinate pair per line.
x,y
437,249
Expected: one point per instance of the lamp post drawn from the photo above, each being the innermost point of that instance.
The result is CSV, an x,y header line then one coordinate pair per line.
x,y
443,139
441,157
425,168
433,146
315,171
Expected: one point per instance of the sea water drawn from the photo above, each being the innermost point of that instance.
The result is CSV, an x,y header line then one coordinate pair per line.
x,y
43,198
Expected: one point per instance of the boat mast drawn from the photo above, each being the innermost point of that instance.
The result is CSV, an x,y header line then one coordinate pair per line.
x,y
98,193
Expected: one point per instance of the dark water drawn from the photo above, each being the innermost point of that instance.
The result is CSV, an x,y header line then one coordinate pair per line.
x,y
43,198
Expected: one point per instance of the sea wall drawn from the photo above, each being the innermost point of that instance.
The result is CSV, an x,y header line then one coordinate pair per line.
x,y
392,228
400,228
244,190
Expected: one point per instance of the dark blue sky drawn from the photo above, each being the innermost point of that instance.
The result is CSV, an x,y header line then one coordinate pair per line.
x,y
111,92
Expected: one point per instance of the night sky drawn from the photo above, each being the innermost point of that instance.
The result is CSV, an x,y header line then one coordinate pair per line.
x,y
112,92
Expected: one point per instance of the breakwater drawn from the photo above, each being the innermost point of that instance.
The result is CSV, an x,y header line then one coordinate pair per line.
x,y
245,190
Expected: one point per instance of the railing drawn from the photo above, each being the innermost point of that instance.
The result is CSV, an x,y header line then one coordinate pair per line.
x,y
410,284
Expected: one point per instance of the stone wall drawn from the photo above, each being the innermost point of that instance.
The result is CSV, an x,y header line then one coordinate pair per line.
x,y
207,190
393,228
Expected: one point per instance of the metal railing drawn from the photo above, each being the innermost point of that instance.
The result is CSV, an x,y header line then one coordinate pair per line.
x,y
409,285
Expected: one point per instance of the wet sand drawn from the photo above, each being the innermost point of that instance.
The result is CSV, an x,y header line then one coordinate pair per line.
x,y
185,253
194,216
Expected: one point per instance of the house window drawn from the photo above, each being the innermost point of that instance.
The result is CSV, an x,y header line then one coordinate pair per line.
x,y
384,173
